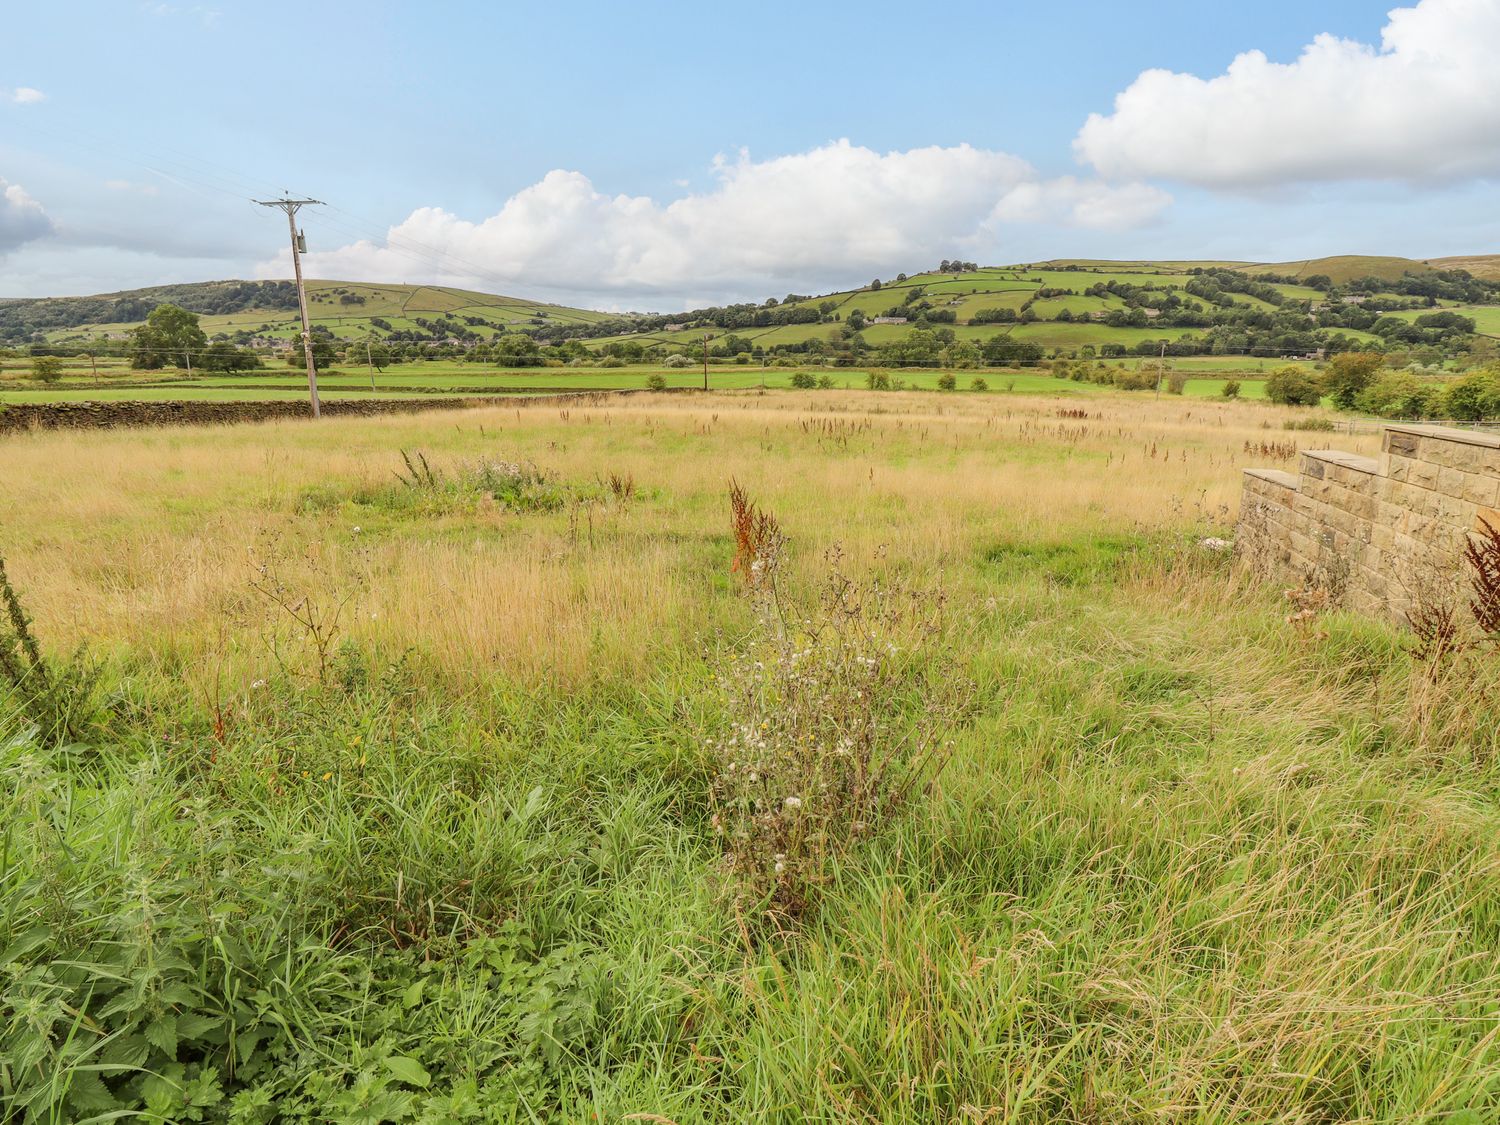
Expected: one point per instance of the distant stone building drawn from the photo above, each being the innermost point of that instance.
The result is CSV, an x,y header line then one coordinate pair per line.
x,y
889,320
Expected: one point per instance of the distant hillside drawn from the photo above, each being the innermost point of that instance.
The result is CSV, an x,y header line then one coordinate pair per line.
x,y
1343,267
1062,305
1092,307
39,314
268,309
1486,266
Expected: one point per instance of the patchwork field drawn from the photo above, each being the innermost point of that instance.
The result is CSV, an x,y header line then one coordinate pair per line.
x,y
358,310
346,309
482,765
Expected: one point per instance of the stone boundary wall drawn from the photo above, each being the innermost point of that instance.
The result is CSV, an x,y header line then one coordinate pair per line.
x,y
24,417
1376,534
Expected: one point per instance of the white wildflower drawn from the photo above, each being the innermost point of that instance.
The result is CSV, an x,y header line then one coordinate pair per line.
x,y
792,803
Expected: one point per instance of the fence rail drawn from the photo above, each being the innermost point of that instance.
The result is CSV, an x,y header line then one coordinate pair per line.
x,y
1375,425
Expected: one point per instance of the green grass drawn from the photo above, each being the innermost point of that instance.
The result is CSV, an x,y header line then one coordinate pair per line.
x,y
456,378
1186,862
1486,317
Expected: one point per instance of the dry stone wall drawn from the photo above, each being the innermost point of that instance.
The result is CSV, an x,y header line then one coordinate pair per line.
x,y
20,417
1377,534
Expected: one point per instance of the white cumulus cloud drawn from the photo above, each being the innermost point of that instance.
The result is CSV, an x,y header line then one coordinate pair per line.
x,y
22,218
1423,106
26,95
812,220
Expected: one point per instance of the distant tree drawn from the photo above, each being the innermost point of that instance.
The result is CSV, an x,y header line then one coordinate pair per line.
x,y
375,353
875,284
993,316
1348,374
1002,349
324,356
46,368
1293,386
515,349
225,357
170,335
1475,397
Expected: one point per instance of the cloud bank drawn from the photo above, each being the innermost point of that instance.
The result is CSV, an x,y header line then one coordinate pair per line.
x,y
808,220
1424,107
22,218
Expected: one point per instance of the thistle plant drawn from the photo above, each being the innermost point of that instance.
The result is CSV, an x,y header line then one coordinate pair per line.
x,y
834,727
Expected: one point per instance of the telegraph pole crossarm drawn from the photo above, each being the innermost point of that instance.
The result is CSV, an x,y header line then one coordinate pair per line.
x,y
291,207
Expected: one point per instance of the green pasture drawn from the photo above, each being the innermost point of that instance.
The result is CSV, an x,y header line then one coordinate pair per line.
x,y
1486,317
447,378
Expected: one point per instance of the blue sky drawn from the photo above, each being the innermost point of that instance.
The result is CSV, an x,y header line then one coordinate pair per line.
x,y
661,154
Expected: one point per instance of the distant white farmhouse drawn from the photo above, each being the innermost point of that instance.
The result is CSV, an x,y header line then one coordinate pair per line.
x,y
889,320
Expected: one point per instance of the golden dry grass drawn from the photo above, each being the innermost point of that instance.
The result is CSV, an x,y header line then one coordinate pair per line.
x,y
145,536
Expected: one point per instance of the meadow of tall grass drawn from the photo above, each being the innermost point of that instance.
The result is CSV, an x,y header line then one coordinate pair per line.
x,y
426,796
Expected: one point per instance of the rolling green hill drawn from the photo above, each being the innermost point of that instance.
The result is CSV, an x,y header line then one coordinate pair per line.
x,y
1346,267
1064,306
1061,306
1480,265
268,309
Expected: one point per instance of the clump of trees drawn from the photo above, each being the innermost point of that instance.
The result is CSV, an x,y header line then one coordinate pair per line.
x,y
1294,386
1348,374
170,335
1358,381
226,359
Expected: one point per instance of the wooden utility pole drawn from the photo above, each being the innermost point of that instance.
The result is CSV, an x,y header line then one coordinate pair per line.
x,y
291,207
1161,368
705,361
370,364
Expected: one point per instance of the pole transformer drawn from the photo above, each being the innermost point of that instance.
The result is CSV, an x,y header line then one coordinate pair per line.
x,y
291,207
